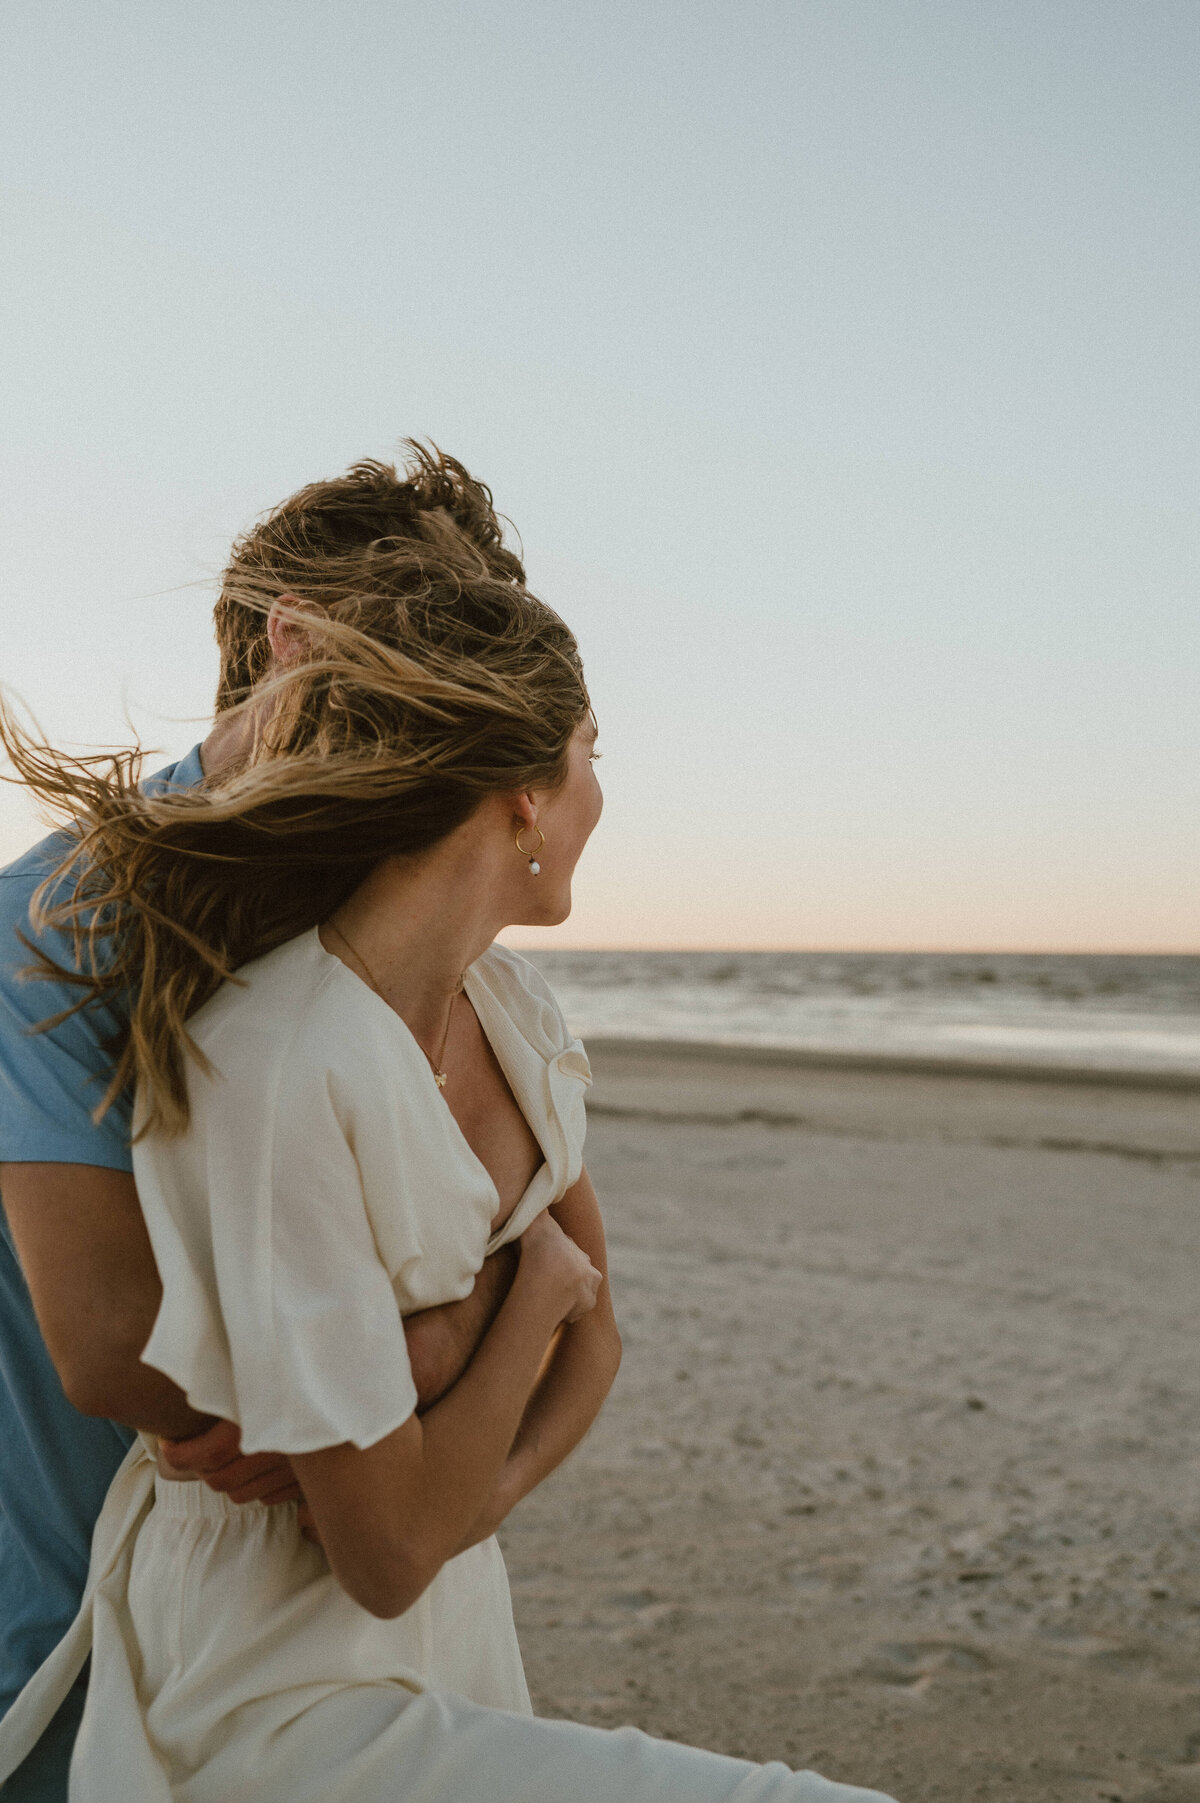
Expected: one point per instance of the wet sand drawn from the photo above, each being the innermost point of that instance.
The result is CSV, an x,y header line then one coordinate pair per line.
x,y
901,1475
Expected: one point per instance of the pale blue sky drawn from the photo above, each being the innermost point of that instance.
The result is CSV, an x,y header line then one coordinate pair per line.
x,y
837,362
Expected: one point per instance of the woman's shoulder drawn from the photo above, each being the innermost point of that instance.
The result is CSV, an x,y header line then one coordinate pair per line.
x,y
280,985
292,1005
520,989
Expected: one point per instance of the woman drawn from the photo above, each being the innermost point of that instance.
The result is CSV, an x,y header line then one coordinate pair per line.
x,y
347,1096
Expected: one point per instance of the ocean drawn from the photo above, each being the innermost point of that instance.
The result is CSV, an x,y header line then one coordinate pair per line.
x,y
1119,1013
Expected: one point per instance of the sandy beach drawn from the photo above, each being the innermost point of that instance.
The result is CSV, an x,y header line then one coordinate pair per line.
x,y
901,1475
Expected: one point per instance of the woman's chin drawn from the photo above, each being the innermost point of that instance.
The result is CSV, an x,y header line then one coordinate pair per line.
x,y
545,911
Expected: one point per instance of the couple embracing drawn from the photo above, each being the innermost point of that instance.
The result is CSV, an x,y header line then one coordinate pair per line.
x,y
291,1155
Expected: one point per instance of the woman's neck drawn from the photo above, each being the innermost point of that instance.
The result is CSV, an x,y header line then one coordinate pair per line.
x,y
413,928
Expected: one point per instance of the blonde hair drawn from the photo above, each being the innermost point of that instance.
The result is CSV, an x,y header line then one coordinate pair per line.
x,y
431,678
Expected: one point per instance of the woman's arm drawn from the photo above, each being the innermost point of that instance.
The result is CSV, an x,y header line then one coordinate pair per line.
x,y
391,1515
441,1342
574,1381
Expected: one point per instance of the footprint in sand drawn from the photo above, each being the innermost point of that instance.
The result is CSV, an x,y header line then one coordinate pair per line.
x,y
911,1666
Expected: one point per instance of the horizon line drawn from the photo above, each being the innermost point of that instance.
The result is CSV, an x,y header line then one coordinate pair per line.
x,y
878,951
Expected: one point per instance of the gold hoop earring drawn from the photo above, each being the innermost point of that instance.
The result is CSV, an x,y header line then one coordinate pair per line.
x,y
535,868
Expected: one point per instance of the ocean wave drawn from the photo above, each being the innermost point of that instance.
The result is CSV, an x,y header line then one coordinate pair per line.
x,y
1124,1012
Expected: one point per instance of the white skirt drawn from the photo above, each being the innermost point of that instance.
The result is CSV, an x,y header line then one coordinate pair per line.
x,y
227,1662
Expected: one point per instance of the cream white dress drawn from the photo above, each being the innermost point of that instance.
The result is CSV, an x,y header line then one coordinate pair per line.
x,y
322,1192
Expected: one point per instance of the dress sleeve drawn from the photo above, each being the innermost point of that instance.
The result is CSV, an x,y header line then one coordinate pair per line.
x,y
528,1015
278,1311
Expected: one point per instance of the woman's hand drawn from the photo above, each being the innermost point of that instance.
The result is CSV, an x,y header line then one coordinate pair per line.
x,y
552,1259
390,1514
577,1373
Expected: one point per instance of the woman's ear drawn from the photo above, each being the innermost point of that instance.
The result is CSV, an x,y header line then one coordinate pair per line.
x,y
525,809
288,638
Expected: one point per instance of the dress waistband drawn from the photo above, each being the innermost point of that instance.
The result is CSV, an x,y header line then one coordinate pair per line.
x,y
196,1502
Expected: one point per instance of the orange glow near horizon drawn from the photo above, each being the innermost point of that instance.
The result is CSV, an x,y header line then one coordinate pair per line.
x,y
619,909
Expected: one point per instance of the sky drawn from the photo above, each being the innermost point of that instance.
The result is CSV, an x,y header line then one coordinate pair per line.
x,y
836,361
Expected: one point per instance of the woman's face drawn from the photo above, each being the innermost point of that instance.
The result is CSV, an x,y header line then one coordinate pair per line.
x,y
566,816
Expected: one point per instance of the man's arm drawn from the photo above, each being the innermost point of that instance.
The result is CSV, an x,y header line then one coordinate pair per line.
x,y
86,1255
442,1341
87,1259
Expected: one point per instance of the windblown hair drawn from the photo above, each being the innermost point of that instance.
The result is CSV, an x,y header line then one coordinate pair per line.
x,y
431,678
326,521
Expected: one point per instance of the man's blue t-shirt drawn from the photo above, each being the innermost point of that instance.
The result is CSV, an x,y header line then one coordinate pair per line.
x,y
55,1464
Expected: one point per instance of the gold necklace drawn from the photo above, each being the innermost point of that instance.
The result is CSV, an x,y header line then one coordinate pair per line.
x,y
439,1075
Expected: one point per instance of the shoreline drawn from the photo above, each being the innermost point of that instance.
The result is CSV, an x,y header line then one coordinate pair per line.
x,y
801,1058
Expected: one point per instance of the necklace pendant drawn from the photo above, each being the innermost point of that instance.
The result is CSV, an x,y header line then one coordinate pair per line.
x,y
439,1078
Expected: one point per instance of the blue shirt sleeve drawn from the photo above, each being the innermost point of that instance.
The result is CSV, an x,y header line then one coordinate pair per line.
x,y
50,1082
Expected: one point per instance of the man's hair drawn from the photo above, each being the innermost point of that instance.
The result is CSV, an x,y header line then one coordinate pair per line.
x,y
430,678
328,520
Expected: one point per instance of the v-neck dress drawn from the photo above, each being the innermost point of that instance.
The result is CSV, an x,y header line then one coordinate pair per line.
x,y
323,1191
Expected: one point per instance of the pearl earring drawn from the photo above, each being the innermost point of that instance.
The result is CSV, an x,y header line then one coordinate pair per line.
x,y
535,868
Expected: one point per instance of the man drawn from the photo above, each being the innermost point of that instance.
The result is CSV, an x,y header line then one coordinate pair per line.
x,y
78,1285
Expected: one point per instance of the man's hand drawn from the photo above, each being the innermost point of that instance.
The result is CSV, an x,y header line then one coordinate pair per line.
x,y
217,1457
